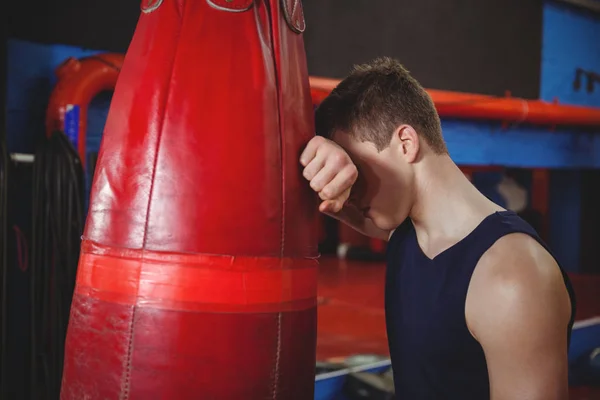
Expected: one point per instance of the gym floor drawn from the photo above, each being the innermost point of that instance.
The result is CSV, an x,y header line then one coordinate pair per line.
x,y
351,309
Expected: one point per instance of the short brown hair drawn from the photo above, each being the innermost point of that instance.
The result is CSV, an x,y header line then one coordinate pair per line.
x,y
374,100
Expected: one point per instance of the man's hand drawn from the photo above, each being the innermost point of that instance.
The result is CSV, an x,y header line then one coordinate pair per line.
x,y
330,171
331,174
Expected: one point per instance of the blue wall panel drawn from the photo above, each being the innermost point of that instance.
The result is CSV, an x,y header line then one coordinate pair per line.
x,y
483,143
570,41
31,78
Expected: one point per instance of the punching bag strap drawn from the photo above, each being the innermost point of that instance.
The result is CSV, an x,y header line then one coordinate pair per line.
x,y
294,15
148,6
231,5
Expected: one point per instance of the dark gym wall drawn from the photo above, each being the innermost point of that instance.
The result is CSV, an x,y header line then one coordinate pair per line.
x,y
476,46
467,45
103,25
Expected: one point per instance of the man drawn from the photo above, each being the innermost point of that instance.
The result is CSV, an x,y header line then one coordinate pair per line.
x,y
476,305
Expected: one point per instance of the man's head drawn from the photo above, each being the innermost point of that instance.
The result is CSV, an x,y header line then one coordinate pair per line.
x,y
386,122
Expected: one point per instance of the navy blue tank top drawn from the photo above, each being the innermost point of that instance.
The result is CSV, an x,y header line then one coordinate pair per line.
x,y
434,356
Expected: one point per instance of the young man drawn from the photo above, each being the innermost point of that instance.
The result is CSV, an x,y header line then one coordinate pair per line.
x,y
476,306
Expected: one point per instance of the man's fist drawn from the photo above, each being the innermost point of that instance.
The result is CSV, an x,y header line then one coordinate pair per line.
x,y
330,171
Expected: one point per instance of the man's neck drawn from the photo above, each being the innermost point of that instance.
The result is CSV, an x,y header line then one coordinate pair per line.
x,y
447,206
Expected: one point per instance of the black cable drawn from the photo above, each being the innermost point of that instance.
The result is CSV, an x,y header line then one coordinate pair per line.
x,y
3,257
58,197
3,202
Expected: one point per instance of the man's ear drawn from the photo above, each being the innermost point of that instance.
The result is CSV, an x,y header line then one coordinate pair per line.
x,y
408,142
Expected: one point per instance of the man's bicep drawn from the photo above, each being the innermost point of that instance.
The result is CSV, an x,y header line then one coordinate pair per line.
x,y
519,312
526,359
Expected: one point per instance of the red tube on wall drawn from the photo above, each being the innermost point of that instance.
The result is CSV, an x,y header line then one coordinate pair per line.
x,y
79,81
476,106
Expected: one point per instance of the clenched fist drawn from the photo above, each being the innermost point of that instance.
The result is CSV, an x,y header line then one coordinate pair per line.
x,y
330,171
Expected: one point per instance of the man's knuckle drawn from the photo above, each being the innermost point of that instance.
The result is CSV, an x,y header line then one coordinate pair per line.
x,y
338,159
331,192
306,173
318,139
352,171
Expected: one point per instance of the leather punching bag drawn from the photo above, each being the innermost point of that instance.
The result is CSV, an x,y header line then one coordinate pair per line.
x,y
197,277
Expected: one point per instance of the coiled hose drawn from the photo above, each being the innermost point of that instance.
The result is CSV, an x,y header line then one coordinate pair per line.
x,y
58,219
4,165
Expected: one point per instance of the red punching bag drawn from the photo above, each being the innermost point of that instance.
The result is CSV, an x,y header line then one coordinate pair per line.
x,y
197,276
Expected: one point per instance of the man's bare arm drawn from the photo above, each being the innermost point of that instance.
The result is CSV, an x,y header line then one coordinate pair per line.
x,y
518,309
331,174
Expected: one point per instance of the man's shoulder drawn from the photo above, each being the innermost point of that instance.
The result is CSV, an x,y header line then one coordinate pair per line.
x,y
519,259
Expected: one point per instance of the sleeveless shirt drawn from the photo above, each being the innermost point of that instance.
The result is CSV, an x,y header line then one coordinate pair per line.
x,y
433,354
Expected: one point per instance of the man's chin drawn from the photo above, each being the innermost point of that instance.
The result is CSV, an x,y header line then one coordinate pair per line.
x,y
376,220
382,223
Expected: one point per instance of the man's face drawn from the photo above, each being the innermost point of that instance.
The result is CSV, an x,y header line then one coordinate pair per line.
x,y
384,186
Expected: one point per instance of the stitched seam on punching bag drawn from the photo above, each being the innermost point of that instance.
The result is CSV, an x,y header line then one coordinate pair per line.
x,y
127,367
277,356
270,8
294,8
127,381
